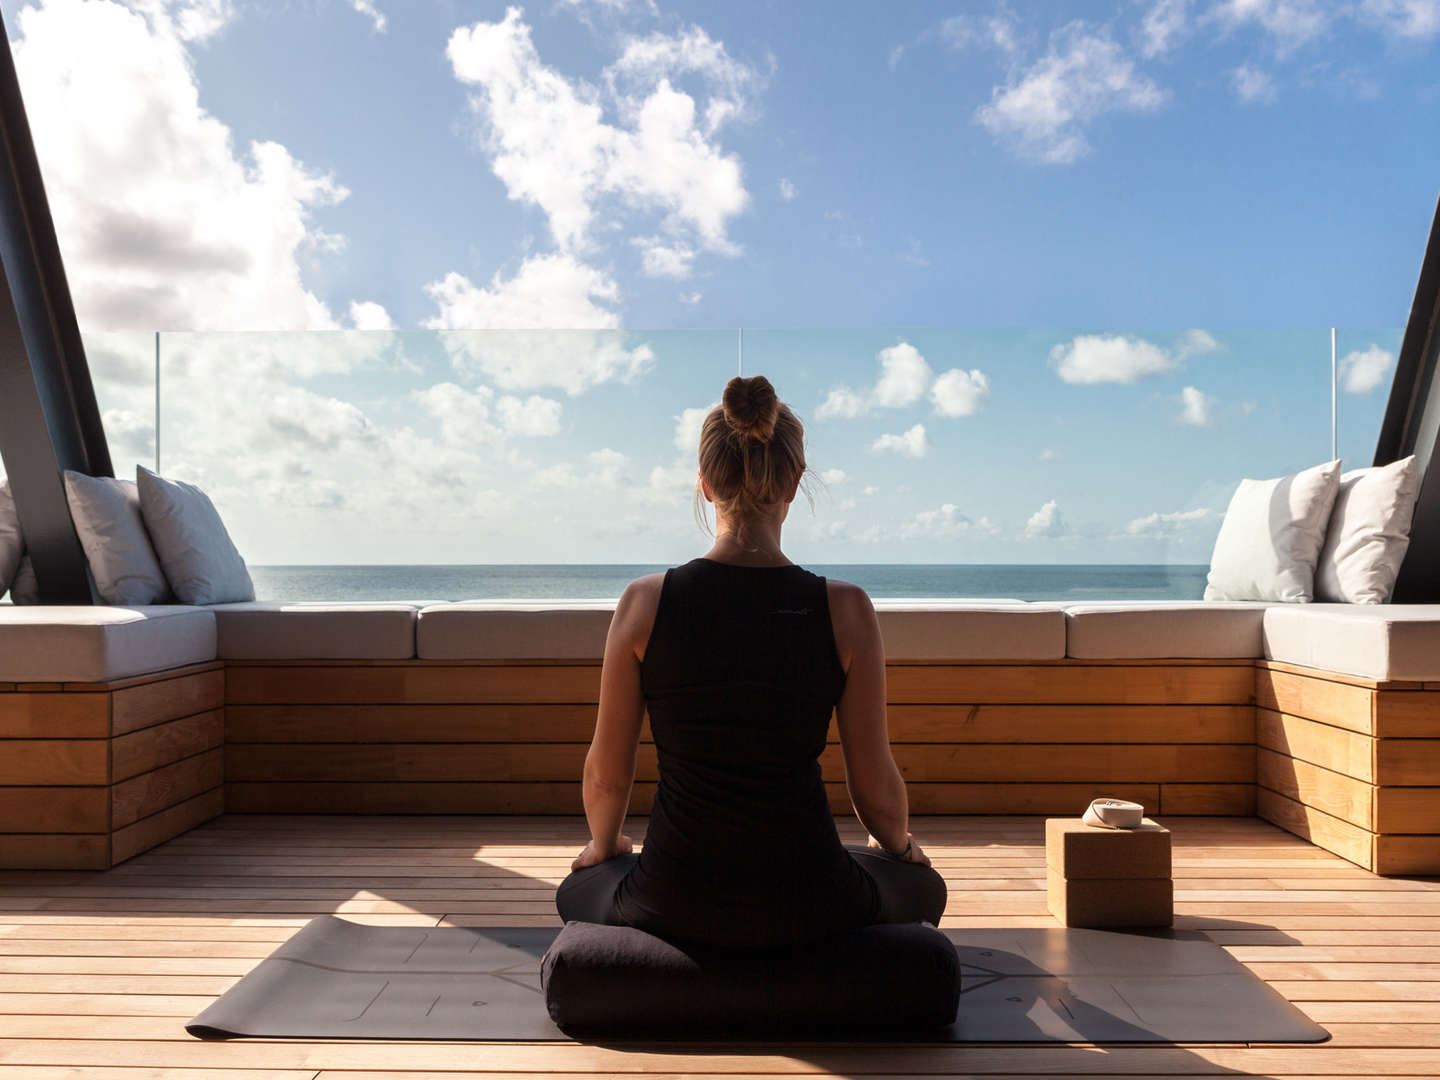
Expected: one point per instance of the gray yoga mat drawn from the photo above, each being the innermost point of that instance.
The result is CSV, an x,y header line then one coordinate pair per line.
x,y
336,979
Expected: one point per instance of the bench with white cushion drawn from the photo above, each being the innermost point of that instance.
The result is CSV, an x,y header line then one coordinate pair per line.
x,y
127,726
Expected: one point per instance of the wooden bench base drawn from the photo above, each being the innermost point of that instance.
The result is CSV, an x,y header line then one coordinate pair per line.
x,y
93,774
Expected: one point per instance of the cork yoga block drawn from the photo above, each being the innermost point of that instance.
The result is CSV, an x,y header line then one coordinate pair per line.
x,y
1099,903
1077,850
1100,878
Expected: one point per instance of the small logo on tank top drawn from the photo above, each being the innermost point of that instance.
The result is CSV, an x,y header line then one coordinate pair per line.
x,y
791,611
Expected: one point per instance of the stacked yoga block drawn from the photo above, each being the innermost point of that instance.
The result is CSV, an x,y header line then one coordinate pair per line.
x,y
1100,877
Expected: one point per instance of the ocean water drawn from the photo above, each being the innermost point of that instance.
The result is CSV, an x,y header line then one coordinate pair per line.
x,y
1074,582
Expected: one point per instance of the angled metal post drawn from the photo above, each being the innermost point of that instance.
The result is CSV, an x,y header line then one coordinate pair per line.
x,y
1412,426
49,418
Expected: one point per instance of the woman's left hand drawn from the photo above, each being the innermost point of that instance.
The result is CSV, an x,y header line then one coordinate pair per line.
x,y
594,856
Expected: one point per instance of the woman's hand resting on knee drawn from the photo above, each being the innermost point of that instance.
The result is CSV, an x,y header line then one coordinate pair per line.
x,y
594,856
914,855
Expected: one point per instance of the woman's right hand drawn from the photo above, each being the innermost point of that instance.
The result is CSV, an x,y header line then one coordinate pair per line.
x,y
915,854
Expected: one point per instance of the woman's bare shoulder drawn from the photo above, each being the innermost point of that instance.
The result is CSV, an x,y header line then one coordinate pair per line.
x,y
847,601
635,611
852,617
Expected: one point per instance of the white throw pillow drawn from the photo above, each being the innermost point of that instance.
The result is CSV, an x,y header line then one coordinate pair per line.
x,y
1369,534
197,553
12,544
107,518
1271,537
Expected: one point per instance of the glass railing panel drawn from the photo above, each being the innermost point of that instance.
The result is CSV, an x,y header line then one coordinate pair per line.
x,y
1100,461
1365,369
122,369
432,453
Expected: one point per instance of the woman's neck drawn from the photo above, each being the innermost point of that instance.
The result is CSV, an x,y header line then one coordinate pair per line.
x,y
757,544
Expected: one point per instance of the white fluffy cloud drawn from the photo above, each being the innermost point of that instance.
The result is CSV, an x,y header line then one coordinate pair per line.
x,y
905,377
687,428
911,443
1045,522
1161,526
1098,358
1197,408
547,291
960,393
163,222
946,523
1253,86
833,476
994,31
1043,110
371,12
842,403
662,259
788,190
552,146
368,315
1362,371
1417,20
1290,23
1163,26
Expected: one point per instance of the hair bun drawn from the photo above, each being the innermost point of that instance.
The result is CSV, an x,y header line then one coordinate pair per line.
x,y
751,406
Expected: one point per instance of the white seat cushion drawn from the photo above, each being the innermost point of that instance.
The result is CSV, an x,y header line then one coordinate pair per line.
x,y
971,630
1136,630
514,630
261,630
1375,641
99,644
575,630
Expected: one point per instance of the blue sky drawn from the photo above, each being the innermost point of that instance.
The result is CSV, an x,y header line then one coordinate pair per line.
x,y
1091,250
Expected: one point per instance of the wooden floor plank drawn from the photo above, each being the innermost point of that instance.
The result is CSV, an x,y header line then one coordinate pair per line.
x,y
99,970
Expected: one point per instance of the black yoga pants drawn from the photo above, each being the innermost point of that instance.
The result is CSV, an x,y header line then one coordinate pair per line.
x,y
909,892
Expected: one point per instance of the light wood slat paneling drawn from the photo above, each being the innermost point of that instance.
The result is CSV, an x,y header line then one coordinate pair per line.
x,y
1208,799
1407,809
564,798
164,743
1148,685
1334,703
61,762
1407,714
1408,762
54,810
54,716
1407,854
1337,749
1329,792
563,761
164,824
908,684
145,704
941,723
62,851
161,788
1331,833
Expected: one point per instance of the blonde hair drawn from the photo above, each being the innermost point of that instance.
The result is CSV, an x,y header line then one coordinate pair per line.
x,y
752,451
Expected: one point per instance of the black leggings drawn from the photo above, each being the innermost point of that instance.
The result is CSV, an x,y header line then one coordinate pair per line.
x,y
909,892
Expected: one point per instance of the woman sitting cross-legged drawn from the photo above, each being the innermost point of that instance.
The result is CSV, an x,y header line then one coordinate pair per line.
x,y
740,657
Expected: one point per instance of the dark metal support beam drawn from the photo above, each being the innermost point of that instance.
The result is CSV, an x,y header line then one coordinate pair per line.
x,y
1412,426
49,418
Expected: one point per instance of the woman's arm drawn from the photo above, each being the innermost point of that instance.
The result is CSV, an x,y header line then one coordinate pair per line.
x,y
877,790
610,763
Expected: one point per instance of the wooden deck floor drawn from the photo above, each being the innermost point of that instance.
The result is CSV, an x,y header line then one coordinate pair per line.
x,y
98,971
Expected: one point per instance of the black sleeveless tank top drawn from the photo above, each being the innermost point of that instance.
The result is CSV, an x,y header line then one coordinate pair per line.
x,y
740,679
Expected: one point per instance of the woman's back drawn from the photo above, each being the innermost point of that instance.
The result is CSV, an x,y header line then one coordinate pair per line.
x,y
740,677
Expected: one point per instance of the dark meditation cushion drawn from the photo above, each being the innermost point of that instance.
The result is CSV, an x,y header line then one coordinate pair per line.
x,y
616,980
